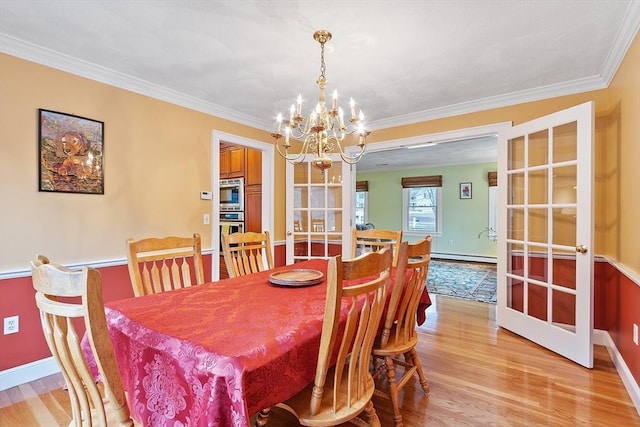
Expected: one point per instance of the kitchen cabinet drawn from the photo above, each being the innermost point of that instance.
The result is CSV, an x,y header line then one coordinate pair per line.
x,y
253,190
253,167
231,161
253,208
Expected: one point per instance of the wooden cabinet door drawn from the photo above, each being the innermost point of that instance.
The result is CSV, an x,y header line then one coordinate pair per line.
x,y
253,167
224,163
253,208
236,162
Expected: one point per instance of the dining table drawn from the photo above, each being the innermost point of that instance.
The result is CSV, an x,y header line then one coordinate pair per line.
x,y
216,353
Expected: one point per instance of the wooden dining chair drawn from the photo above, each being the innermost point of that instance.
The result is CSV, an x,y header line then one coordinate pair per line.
x,y
88,406
246,253
342,392
162,264
372,240
396,344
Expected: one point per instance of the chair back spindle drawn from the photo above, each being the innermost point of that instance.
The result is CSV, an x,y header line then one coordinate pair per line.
x,y
162,264
246,253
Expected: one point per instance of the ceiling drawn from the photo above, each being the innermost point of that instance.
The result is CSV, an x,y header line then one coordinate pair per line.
x,y
403,61
458,152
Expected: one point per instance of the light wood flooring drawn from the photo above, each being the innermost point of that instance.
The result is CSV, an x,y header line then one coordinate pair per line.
x,y
479,375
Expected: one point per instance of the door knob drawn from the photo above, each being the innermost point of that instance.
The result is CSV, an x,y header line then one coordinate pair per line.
x,y
581,249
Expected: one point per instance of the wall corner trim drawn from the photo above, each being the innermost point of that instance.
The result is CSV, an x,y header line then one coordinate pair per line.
x,y
602,337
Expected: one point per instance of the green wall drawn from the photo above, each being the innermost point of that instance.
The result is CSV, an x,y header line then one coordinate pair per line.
x,y
463,219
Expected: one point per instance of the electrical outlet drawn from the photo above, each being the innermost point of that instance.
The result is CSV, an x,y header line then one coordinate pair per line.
x,y
635,333
11,325
450,242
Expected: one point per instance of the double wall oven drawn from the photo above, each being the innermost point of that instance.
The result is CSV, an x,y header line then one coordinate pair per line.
x,y
231,207
232,195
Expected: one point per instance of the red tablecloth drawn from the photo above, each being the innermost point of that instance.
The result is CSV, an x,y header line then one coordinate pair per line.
x,y
214,354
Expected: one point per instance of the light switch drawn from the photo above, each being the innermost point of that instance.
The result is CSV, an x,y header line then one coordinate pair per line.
x,y
206,195
205,219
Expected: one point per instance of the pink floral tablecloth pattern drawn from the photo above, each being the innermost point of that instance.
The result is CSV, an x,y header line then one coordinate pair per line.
x,y
213,354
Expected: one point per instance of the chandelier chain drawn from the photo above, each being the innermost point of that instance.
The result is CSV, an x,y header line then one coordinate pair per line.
x,y
323,68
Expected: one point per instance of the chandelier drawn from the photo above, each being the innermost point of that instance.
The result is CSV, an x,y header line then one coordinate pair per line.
x,y
324,130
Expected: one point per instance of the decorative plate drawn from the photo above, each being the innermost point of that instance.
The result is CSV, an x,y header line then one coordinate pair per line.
x,y
296,278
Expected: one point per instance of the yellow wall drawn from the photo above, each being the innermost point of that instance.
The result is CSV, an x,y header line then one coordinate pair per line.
x,y
158,158
619,164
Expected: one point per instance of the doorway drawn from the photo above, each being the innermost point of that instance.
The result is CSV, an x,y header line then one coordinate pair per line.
x,y
267,151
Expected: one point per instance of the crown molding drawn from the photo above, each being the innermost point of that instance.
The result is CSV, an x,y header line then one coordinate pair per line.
x,y
628,30
498,101
51,58
38,54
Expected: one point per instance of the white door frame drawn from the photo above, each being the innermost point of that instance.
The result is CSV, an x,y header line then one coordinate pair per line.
x,y
267,150
447,136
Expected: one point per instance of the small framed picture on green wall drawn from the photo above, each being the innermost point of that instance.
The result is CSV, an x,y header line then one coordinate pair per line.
x,y
465,190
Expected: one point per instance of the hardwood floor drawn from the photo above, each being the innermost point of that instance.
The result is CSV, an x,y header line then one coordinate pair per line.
x,y
479,375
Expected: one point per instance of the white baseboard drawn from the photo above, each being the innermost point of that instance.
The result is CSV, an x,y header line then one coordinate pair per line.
x,y
30,372
602,337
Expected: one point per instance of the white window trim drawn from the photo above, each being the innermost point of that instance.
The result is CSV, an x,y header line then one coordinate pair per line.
x,y
405,215
492,227
366,206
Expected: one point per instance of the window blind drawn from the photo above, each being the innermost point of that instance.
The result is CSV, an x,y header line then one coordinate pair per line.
x,y
422,181
493,179
362,185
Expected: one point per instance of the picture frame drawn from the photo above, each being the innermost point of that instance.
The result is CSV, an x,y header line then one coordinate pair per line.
x,y
465,190
70,153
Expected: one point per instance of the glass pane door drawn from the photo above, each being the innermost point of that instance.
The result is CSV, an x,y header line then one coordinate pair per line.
x,y
316,210
545,263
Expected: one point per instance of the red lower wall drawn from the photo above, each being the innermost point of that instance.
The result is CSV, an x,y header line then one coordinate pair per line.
x,y
615,305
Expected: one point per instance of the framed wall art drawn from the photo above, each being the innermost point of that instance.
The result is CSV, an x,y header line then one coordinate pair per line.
x,y
465,190
70,153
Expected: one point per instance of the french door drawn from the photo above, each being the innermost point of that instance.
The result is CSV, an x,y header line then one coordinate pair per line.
x,y
318,210
545,258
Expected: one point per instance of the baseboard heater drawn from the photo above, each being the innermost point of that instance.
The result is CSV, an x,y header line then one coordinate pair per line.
x,y
460,257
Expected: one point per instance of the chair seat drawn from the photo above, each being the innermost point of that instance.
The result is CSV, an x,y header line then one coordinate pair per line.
x,y
395,346
299,404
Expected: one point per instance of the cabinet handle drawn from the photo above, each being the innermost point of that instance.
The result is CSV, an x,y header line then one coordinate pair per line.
x,y
581,249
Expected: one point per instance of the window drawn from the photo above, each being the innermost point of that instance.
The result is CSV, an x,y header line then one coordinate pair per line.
x,y
422,205
361,211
